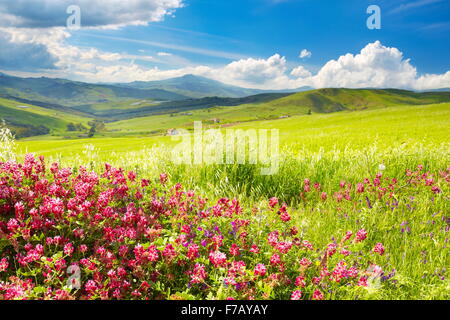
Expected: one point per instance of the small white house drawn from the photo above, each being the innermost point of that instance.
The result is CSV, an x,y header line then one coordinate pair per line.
x,y
173,132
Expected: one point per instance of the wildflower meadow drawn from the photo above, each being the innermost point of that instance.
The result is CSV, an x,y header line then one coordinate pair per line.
x,y
104,232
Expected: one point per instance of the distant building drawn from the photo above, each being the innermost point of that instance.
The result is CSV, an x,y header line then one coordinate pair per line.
x,y
173,132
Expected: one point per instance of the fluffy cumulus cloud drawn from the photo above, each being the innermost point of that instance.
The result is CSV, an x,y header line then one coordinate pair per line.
x,y
255,71
305,54
300,72
375,66
94,13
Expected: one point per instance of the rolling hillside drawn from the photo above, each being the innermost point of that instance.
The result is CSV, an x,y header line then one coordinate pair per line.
x,y
332,100
72,93
146,116
26,120
320,101
267,105
132,109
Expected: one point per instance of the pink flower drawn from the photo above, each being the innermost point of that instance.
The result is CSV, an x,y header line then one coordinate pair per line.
x,y
284,246
193,251
19,207
436,189
169,252
273,202
348,235
217,258
360,188
318,295
296,295
68,249
13,225
4,264
90,286
260,270
163,178
362,282
275,259
273,238
379,249
186,229
285,217
331,249
300,281
305,262
254,248
199,274
361,235
234,250
307,245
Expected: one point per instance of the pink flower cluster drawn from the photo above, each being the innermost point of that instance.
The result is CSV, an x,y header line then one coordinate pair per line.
x,y
134,238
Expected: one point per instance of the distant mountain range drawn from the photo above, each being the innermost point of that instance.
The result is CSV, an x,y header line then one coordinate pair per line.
x,y
75,93
200,87
80,94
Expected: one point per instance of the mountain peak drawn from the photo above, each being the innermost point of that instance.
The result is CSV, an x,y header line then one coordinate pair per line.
x,y
190,76
193,77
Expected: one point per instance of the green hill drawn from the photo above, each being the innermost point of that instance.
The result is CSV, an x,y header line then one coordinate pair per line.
x,y
320,101
26,120
333,100
131,109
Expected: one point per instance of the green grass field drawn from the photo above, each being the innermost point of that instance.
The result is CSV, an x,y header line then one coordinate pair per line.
x,y
323,146
327,148
387,127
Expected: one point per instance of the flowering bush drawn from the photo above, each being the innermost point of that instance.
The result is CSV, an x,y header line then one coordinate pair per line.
x,y
74,234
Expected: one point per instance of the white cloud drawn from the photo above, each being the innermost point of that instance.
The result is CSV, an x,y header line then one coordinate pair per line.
x,y
300,72
164,54
305,54
94,13
375,66
256,71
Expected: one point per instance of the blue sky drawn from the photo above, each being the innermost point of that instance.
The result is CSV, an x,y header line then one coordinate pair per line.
x,y
253,43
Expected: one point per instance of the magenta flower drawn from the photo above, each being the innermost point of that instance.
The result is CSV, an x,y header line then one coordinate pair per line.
x,y
260,270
